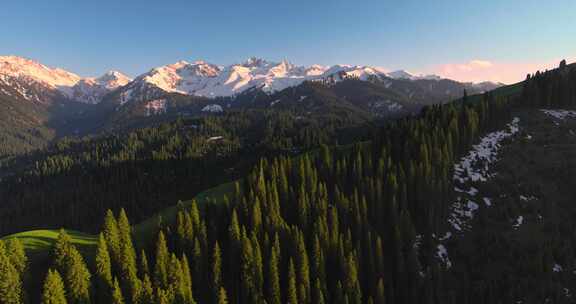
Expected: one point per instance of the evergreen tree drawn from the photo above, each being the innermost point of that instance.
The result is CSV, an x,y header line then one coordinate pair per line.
x,y
53,291
292,291
103,272
216,274
162,259
61,251
17,255
380,295
77,278
117,294
222,297
10,282
112,236
274,293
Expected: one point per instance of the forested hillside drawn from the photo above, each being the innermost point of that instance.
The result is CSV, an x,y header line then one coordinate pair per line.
x,y
468,202
148,169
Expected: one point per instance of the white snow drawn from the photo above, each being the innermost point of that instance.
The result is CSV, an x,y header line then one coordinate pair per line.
x,y
446,236
273,103
443,255
560,114
557,268
214,138
213,108
209,80
518,222
474,167
154,107
21,73
527,198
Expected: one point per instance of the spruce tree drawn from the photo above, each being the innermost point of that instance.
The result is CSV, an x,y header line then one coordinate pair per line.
x,y
292,291
17,255
53,291
380,295
103,272
216,274
117,297
77,278
162,259
274,292
112,236
222,297
10,282
61,250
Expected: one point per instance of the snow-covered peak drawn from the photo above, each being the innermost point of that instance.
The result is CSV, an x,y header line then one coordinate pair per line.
x,y
28,76
400,74
15,66
112,80
209,80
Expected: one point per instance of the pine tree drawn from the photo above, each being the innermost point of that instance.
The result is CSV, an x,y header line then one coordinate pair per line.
x,y
274,293
216,274
17,255
380,296
292,292
112,236
147,291
144,268
117,297
222,297
247,270
176,279
53,291
10,282
303,271
162,259
77,278
61,250
187,280
103,273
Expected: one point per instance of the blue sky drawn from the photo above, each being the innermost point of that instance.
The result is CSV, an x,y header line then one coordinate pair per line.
x,y
90,37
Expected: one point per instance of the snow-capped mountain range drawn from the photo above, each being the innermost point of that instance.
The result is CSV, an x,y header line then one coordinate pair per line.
x,y
208,80
40,83
197,78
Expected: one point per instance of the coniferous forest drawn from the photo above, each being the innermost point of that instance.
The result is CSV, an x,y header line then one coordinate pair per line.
x,y
321,211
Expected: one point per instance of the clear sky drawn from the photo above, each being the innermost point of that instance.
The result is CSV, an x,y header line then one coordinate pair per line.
x,y
473,40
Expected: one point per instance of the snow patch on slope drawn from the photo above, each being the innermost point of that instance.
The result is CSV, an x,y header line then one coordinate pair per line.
x,y
560,114
155,107
475,167
213,108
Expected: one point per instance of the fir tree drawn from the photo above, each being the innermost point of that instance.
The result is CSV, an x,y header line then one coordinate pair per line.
x,y
292,291
162,259
77,278
216,274
117,297
53,291
222,297
274,293
10,282
103,273
17,255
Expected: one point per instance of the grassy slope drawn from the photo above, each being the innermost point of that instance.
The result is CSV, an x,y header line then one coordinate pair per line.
x,y
38,243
